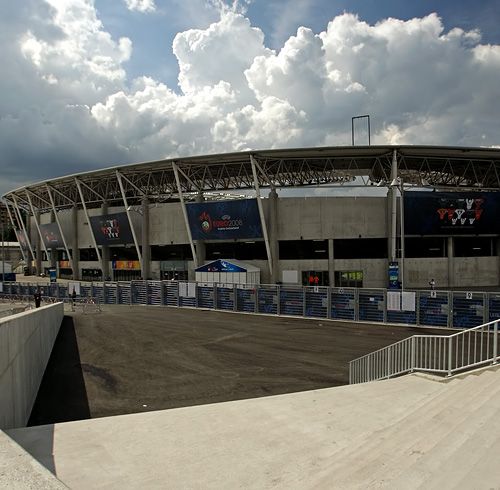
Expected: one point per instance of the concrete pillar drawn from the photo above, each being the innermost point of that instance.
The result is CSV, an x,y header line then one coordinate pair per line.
x,y
75,253
200,244
146,248
498,255
105,248
53,251
38,246
331,266
451,262
273,234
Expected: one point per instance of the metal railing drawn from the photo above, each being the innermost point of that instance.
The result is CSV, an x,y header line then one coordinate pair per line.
x,y
439,354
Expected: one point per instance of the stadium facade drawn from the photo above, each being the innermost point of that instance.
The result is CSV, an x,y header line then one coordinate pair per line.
x,y
165,219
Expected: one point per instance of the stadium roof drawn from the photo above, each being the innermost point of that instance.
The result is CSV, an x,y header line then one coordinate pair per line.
x,y
437,167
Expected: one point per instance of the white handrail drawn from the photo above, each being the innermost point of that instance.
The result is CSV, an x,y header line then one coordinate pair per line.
x,y
429,353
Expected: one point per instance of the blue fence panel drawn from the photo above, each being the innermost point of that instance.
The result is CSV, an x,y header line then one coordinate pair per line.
x,y
245,299
98,292
205,296
267,299
124,293
494,306
468,309
343,303
24,290
291,301
139,293
110,293
225,298
171,293
371,305
53,290
14,288
155,293
85,290
32,289
316,302
63,291
433,310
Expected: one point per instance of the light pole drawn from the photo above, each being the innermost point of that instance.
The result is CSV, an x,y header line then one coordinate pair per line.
x,y
3,253
398,183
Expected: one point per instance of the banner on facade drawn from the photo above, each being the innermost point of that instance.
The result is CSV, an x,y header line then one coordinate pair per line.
x,y
51,235
450,213
224,220
23,242
129,265
110,229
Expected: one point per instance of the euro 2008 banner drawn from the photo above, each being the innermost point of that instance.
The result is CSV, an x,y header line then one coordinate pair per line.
x,y
224,220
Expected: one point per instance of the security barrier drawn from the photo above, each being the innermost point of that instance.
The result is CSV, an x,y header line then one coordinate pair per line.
x,y
458,309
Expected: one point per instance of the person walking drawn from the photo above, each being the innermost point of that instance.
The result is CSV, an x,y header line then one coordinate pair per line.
x,y
432,284
38,299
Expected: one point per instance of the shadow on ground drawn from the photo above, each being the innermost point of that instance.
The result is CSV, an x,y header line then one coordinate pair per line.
x,y
62,396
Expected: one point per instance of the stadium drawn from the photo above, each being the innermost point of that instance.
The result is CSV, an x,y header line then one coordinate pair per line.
x,y
323,216
231,315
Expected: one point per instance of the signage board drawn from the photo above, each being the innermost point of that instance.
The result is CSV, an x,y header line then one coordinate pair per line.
x,y
51,235
224,220
110,229
451,213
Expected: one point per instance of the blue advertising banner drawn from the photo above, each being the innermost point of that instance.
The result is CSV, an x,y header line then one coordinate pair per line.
x,y
109,229
23,242
224,220
51,236
452,213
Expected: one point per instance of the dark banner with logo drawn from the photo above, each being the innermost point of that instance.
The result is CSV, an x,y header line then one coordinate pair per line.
x,y
51,236
452,213
224,220
21,238
111,229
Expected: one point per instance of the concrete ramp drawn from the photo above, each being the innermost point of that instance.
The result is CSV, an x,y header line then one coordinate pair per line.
x,y
410,432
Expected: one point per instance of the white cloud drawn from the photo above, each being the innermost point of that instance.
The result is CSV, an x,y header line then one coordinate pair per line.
x,y
71,107
141,5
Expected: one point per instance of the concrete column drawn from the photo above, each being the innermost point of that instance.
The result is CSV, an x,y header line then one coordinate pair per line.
x,y
200,244
38,246
53,251
273,234
451,262
146,249
105,249
498,255
331,266
75,253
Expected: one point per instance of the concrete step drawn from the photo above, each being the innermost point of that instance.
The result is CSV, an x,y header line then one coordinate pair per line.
x,y
440,436
463,449
362,458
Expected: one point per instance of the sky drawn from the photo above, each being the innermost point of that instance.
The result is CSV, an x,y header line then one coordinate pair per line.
x,y
87,84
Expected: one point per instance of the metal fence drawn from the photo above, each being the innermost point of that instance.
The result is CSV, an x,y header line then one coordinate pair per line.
x,y
430,353
430,308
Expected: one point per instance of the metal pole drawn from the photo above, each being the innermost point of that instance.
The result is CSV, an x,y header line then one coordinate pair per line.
x,y
3,253
87,217
449,355
184,212
28,241
262,217
70,258
15,229
402,225
495,342
37,225
134,236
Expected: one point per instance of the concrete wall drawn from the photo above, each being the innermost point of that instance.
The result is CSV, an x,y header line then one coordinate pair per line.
x,y
26,341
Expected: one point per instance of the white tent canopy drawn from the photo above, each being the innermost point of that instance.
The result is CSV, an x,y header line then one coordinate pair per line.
x,y
229,272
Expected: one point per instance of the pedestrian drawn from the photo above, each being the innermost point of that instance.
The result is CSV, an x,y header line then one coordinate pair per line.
x,y
432,284
38,299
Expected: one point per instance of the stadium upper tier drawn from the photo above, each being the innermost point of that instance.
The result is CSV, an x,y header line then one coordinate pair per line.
x,y
433,166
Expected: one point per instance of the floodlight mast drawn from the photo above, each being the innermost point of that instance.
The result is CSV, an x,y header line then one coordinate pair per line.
x,y
367,117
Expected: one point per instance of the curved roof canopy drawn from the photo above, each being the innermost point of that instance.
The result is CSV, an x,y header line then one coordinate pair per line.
x,y
441,167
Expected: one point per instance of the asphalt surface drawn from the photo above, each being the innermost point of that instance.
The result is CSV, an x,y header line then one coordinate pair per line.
x,y
133,359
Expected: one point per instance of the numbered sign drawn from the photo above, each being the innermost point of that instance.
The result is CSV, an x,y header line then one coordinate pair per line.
x,y
468,295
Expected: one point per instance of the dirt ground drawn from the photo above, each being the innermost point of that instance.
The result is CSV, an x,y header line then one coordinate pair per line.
x,y
132,359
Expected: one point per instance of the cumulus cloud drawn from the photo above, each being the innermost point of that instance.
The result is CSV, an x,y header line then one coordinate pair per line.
x,y
141,5
74,108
